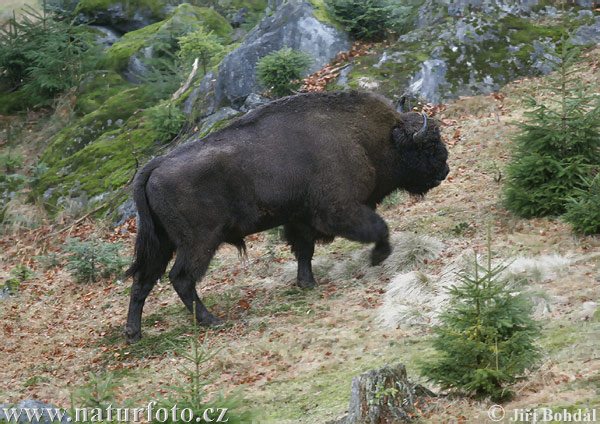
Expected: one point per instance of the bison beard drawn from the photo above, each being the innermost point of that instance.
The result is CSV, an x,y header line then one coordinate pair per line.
x,y
316,163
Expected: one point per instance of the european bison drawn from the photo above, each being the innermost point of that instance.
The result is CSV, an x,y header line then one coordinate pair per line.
x,y
317,163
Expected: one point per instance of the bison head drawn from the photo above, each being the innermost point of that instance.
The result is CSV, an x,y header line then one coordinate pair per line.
x,y
422,152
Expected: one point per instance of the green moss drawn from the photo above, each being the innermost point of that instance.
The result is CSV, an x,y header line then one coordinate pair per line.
x,y
322,13
393,75
208,129
90,7
492,57
522,31
208,18
102,166
89,128
97,87
505,54
117,56
184,18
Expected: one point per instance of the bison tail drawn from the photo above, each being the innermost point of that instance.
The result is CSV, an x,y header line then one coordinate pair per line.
x,y
149,250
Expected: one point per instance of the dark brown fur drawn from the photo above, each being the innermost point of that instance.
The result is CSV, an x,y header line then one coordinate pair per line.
x,y
316,163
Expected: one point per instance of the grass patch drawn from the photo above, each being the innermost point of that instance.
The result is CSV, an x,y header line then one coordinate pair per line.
x,y
323,392
163,333
558,336
290,301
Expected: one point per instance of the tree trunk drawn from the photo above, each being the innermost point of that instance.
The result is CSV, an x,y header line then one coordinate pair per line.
x,y
384,396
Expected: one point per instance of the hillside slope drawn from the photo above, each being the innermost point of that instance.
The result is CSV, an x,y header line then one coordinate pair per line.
x,y
293,353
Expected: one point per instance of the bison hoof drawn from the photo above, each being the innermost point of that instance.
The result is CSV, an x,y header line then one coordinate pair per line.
x,y
132,335
306,284
380,253
211,321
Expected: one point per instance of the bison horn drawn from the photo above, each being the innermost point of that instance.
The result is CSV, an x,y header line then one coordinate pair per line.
x,y
403,105
420,135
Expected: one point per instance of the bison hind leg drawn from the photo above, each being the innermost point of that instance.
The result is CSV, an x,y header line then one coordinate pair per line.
x,y
188,269
143,282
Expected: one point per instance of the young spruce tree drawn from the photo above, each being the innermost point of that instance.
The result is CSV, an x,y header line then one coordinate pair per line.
x,y
280,71
189,395
486,339
559,147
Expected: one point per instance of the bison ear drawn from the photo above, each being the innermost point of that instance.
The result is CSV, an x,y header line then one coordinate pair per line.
x,y
400,138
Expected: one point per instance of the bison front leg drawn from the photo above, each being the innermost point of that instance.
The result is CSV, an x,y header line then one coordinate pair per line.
x,y
358,223
302,240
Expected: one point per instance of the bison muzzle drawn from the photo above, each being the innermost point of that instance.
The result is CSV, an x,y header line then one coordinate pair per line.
x,y
316,163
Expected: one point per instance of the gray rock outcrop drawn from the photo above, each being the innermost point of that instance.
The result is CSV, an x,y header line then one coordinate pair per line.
x,y
294,25
120,19
48,414
587,33
108,37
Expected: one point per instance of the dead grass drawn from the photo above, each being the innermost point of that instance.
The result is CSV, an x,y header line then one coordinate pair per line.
x,y
292,352
8,6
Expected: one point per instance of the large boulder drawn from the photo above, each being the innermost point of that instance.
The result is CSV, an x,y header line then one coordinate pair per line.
x,y
585,33
433,11
469,47
121,15
129,54
293,24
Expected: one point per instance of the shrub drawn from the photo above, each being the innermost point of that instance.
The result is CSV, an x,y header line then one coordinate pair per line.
x,y
280,71
99,392
49,260
42,56
486,338
20,274
583,211
363,19
558,147
166,121
90,259
402,15
202,45
9,161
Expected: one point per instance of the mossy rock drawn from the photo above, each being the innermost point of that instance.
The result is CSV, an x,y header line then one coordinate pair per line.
x,y
109,117
210,19
253,13
121,15
322,13
211,125
391,77
100,167
130,6
117,56
183,19
97,87
472,55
